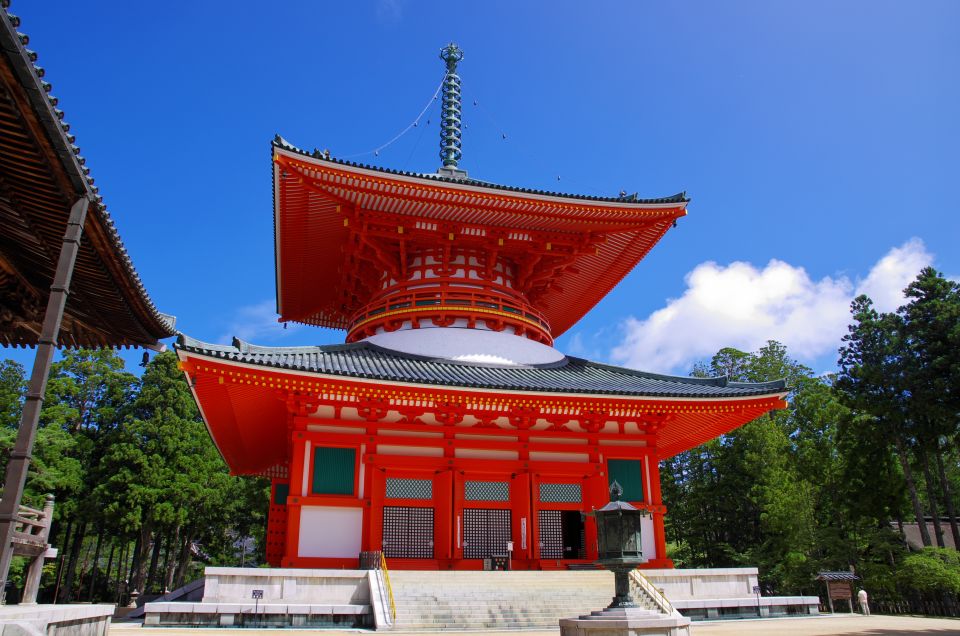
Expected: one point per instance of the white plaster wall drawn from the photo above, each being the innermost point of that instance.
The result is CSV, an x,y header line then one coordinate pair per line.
x,y
330,531
646,539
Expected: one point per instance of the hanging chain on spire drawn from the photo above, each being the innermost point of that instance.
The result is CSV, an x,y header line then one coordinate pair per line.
x,y
451,109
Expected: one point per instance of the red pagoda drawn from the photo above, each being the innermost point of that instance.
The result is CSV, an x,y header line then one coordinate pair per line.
x,y
448,429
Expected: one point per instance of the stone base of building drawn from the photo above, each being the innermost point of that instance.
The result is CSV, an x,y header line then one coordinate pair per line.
x,y
55,620
358,598
278,597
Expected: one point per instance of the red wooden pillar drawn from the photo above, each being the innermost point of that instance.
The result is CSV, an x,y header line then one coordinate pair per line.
x,y
521,510
299,448
594,496
457,517
535,480
659,535
374,520
443,518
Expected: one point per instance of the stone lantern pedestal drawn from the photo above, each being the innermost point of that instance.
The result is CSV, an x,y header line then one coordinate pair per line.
x,y
618,536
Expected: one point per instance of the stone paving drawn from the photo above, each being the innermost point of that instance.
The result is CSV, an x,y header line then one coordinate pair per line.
x,y
848,625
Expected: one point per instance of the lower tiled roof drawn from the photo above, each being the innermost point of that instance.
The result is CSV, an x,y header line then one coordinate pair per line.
x,y
570,375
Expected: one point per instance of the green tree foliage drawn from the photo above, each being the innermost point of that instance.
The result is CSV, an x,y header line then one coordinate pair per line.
x,y
141,490
826,483
933,570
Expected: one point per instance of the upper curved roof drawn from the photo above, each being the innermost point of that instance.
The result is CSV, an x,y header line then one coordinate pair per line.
x,y
324,210
41,176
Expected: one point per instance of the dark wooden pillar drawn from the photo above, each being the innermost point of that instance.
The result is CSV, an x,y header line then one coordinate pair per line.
x,y
22,451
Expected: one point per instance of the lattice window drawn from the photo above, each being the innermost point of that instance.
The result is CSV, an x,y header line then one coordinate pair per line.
x,y
407,532
409,488
485,532
551,534
486,491
560,493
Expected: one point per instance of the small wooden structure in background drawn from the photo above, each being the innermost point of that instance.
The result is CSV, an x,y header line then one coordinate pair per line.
x,y
31,535
839,587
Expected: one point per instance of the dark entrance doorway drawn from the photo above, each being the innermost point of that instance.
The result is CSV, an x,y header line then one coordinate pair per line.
x,y
561,534
571,528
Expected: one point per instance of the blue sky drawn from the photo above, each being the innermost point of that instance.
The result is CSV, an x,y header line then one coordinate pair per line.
x,y
817,140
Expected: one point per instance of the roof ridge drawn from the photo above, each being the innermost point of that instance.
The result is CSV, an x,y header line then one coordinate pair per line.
x,y
570,375
720,380
280,142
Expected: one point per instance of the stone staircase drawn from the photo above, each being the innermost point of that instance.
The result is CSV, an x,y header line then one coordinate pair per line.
x,y
459,600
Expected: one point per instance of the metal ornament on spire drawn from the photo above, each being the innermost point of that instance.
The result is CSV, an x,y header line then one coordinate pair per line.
x,y
451,109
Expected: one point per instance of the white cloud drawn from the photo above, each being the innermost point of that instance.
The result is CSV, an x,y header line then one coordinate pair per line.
x,y
743,306
257,323
892,273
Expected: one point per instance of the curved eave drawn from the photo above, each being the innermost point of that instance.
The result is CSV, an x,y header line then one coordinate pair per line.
x,y
244,408
45,175
281,145
571,377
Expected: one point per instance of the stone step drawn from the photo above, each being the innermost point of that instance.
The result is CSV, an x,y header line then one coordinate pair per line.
x,y
458,600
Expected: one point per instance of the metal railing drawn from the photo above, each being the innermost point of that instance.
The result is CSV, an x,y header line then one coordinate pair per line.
x,y
637,579
386,581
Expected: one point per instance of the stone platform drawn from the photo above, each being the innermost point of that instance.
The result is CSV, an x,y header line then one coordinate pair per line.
x,y
454,600
55,620
290,598
712,593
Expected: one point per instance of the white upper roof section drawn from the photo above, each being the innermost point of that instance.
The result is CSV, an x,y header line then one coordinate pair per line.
x,y
468,345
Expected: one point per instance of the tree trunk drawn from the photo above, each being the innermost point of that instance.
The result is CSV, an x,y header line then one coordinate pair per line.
x,y
121,569
154,559
66,589
168,563
106,581
912,489
139,566
96,564
62,559
948,498
183,562
932,496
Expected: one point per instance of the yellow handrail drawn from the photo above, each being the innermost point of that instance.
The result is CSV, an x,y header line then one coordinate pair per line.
x,y
386,579
641,581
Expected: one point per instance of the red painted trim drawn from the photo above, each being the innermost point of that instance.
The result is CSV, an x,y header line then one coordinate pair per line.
x,y
482,466
298,443
334,501
293,535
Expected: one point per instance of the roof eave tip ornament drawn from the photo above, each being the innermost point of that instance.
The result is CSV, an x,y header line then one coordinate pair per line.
x,y
450,115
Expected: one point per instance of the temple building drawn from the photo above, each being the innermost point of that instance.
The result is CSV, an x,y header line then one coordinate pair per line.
x,y
448,429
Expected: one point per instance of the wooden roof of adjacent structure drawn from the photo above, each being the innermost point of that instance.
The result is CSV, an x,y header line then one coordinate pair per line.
x,y
41,176
322,206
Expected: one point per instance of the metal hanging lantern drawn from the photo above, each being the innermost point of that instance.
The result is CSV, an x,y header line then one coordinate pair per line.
x,y
618,536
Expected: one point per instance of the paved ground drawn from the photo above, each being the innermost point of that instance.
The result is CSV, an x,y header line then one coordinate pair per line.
x,y
819,626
